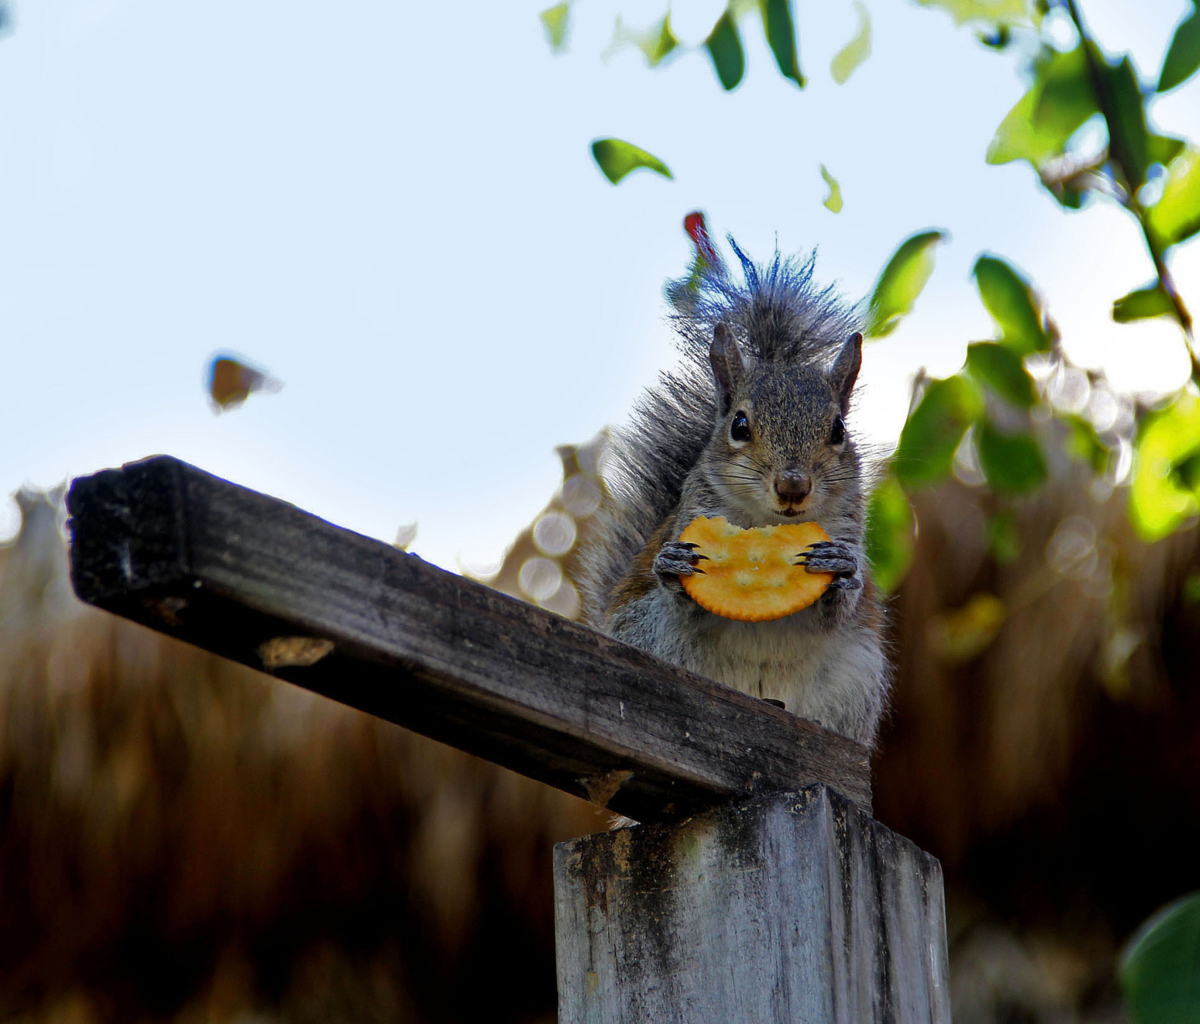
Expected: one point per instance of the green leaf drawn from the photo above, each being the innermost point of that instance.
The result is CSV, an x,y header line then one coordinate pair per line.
x,y
1183,57
1002,370
1064,91
1012,463
1128,136
1162,149
1159,499
1083,443
1176,216
781,36
1058,103
995,12
617,158
1004,539
1010,300
1160,967
890,537
555,20
1143,304
656,42
901,282
854,52
935,429
725,47
834,200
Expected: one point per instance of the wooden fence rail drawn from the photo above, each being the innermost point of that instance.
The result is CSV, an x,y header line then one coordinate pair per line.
x,y
765,892
259,581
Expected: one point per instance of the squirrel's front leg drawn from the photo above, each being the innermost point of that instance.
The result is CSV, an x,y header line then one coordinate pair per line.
x,y
675,559
845,561
837,557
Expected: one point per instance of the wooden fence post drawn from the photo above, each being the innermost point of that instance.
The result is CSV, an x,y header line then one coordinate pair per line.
x,y
789,907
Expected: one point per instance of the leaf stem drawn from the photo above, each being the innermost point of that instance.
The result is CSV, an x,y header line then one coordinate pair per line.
x,y
1120,157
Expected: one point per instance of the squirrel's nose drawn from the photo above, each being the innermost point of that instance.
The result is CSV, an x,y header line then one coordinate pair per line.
x,y
792,484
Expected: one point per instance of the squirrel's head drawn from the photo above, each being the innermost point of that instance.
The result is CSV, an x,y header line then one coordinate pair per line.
x,y
780,450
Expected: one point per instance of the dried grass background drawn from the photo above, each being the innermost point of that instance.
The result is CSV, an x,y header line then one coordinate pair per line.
x,y
184,839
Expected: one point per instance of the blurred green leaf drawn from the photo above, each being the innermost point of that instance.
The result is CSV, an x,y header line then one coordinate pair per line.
x,y
1083,443
834,200
1012,463
935,429
901,282
1176,215
962,634
1058,103
1004,541
1129,139
555,21
1143,304
1159,969
1010,300
1064,91
1162,149
656,42
781,36
854,52
617,158
996,12
1002,370
725,47
1183,57
1159,502
1191,589
1186,473
890,538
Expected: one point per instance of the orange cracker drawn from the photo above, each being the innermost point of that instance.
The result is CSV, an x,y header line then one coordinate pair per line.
x,y
750,575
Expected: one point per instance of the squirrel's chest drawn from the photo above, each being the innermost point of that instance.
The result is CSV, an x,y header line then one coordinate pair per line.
x,y
762,658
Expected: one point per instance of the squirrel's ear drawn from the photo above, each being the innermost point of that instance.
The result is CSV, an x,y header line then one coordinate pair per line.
x,y
845,369
728,366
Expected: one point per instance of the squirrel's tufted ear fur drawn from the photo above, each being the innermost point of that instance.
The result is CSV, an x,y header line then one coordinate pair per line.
x,y
728,366
845,369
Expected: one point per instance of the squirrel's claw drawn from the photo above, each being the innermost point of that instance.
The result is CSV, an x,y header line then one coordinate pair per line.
x,y
831,556
674,559
845,583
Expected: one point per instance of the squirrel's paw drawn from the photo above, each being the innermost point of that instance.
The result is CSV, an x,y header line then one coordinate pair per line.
x,y
674,559
836,557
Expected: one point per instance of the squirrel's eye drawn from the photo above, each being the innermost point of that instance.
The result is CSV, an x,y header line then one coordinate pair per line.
x,y
739,429
838,434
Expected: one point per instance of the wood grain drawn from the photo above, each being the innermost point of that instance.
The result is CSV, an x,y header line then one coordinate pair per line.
x,y
262,582
789,907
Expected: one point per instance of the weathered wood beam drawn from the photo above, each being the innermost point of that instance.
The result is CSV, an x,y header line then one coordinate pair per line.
x,y
262,582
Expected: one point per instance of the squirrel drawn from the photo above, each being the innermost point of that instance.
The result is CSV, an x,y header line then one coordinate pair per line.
x,y
750,426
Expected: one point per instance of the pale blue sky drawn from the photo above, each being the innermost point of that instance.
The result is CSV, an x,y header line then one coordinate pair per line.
x,y
392,208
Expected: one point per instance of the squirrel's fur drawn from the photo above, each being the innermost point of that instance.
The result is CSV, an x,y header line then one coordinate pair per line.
x,y
787,343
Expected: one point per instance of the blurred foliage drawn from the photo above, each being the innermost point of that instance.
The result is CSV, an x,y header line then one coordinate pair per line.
x,y
900,282
850,56
1165,492
780,28
890,539
1183,57
1160,969
616,159
556,21
725,48
833,201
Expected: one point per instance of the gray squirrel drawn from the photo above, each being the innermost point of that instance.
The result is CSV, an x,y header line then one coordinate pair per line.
x,y
750,426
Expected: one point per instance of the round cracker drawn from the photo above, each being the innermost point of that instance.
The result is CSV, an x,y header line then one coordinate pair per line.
x,y
751,575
